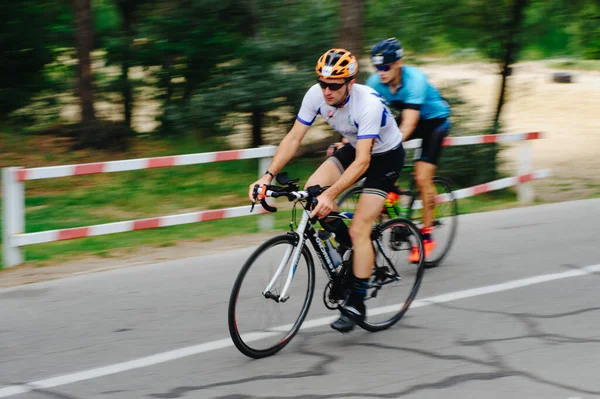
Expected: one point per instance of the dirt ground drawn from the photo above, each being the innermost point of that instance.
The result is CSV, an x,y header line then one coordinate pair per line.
x,y
568,114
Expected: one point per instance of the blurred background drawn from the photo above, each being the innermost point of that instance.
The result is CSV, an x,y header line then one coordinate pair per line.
x,y
98,80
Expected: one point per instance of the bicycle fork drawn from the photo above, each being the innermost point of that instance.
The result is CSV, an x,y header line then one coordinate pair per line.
x,y
286,257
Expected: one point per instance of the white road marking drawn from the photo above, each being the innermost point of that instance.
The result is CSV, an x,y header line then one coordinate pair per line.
x,y
163,357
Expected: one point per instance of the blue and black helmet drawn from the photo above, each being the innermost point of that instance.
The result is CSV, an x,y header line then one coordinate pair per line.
x,y
386,51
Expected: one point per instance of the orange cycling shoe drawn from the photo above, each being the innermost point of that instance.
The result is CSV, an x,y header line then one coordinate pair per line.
x,y
415,256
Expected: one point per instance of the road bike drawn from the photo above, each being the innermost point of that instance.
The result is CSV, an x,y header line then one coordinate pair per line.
x,y
273,291
406,203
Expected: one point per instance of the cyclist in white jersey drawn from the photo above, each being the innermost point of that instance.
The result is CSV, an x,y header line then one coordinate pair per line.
x,y
373,151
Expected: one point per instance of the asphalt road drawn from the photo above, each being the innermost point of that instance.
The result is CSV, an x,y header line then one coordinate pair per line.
x,y
512,313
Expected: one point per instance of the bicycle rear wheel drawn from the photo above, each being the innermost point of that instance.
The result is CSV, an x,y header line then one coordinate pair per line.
x,y
445,220
395,280
348,201
261,325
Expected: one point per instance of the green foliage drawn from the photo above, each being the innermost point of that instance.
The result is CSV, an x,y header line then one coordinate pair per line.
x,y
270,69
551,27
212,63
415,24
28,32
587,30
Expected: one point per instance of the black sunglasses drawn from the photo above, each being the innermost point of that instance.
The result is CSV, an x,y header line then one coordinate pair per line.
x,y
386,67
332,86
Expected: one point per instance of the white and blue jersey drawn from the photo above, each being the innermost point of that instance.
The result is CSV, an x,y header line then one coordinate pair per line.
x,y
415,92
364,116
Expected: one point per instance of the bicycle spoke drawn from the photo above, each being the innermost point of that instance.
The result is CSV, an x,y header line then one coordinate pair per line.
x,y
395,280
262,323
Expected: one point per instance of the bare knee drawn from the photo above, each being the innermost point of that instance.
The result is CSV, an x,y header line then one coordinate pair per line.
x,y
360,230
309,182
422,180
326,175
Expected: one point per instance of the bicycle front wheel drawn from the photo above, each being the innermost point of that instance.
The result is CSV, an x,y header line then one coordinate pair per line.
x,y
261,323
445,220
396,278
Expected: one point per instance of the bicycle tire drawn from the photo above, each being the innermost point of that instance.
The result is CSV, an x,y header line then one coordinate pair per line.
x,y
246,345
412,269
349,199
443,187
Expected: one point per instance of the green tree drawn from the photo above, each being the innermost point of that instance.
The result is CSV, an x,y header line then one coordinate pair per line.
x,y
350,36
84,44
128,10
29,32
270,70
187,39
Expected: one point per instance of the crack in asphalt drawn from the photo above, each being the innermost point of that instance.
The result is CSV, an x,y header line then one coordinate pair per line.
x,y
45,392
317,370
493,360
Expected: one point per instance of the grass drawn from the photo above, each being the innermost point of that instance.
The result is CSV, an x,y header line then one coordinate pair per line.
x,y
105,246
96,199
150,196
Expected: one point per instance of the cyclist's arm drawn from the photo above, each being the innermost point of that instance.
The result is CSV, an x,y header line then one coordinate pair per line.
x,y
416,89
288,147
285,151
410,119
336,146
304,120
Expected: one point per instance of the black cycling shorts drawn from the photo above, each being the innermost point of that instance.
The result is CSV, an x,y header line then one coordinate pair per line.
x,y
432,132
383,170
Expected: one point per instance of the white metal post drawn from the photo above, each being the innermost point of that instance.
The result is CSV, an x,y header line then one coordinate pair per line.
x,y
525,190
13,216
265,222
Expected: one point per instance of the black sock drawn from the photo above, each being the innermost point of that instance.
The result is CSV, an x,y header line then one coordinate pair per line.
x,y
360,288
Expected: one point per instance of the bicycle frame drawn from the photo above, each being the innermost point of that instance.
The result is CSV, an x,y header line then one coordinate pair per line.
x,y
304,231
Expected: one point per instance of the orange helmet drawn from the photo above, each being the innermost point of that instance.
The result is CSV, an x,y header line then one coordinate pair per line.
x,y
337,63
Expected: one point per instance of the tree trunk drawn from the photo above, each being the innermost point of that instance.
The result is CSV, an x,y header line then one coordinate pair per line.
x,y
350,34
510,54
84,42
167,76
257,113
127,92
127,9
257,119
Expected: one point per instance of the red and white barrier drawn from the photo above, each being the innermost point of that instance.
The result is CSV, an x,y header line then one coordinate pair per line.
x,y
13,190
483,139
133,225
13,197
143,163
487,187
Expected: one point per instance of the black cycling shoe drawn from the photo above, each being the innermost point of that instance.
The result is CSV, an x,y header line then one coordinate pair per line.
x,y
352,313
343,324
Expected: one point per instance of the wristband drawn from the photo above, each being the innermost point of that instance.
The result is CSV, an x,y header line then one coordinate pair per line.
x,y
269,173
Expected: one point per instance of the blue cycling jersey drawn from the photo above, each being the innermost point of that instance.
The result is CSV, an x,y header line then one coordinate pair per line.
x,y
415,92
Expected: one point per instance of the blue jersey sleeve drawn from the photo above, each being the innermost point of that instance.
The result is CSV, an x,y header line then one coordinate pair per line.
x,y
416,92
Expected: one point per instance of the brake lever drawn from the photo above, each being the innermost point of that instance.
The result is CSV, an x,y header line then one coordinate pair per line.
x,y
313,205
254,195
267,207
263,201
